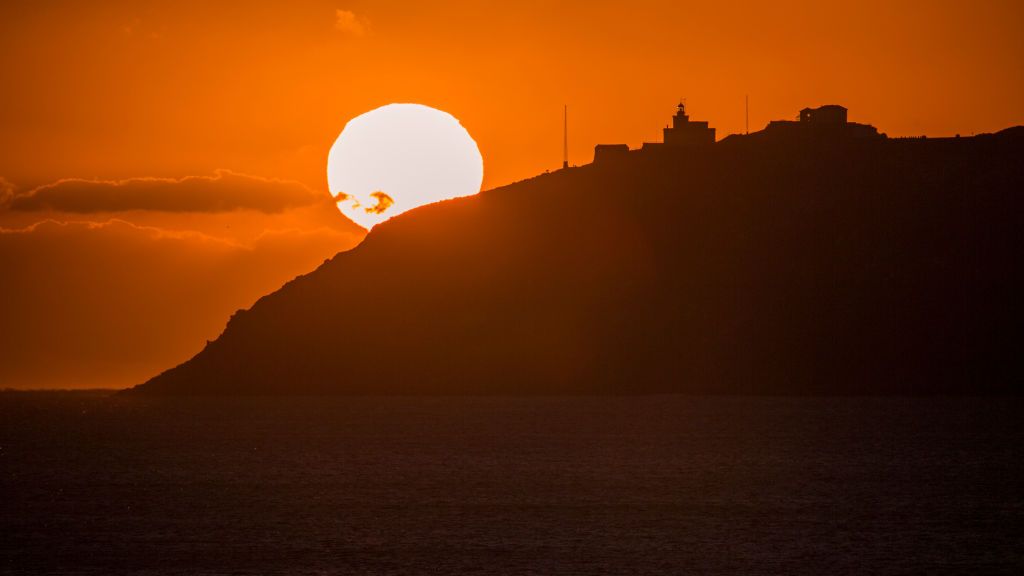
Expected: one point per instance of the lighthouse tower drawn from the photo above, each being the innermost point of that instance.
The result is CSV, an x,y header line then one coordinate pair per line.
x,y
685,132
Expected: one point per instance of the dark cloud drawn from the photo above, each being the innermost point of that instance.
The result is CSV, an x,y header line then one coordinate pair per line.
x,y
224,191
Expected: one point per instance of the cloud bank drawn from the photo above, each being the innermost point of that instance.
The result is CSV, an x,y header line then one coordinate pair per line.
x,y
6,191
224,191
128,277
111,303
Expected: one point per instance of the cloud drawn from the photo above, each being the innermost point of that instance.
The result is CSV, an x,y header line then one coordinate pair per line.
x,y
56,229
132,276
118,302
224,191
6,191
349,23
383,203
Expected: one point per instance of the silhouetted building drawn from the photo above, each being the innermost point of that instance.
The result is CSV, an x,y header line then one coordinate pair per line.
x,y
607,152
827,114
685,132
825,122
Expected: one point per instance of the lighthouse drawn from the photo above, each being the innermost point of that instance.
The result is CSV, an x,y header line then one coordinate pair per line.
x,y
685,132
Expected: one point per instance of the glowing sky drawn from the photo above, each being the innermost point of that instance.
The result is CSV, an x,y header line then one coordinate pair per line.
x,y
167,88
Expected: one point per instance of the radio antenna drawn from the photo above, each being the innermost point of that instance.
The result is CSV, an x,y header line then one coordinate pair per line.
x,y
565,136
746,114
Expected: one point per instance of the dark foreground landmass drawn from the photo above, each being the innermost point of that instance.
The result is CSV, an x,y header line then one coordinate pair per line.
x,y
750,266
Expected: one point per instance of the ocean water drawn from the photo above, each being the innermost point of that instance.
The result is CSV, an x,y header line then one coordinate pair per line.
x,y
92,484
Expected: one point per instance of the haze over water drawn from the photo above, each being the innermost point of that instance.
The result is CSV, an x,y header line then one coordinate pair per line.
x,y
584,485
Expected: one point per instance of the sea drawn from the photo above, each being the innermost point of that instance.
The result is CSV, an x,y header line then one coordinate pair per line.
x,y
95,483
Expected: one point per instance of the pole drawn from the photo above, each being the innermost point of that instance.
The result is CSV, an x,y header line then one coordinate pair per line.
x,y
565,136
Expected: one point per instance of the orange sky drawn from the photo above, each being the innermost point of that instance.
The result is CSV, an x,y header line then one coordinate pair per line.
x,y
127,281
166,88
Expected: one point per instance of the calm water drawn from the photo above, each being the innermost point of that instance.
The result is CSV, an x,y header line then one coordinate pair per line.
x,y
648,485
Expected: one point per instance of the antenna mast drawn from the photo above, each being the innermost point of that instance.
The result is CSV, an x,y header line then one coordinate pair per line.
x,y
746,114
565,136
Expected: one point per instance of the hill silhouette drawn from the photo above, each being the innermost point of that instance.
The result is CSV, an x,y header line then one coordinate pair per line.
x,y
754,265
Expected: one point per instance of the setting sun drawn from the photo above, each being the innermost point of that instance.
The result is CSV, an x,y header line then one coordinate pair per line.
x,y
400,156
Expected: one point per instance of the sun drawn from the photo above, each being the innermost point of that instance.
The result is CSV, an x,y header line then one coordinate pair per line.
x,y
400,156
